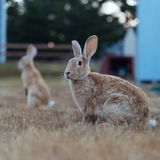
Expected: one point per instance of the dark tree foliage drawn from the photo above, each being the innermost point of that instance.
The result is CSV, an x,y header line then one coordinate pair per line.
x,y
40,21
14,22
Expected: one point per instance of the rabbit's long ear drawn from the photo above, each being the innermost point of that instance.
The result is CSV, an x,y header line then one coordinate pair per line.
x,y
31,51
76,48
90,47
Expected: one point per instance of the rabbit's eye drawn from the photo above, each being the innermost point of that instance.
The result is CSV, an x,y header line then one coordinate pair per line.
x,y
79,63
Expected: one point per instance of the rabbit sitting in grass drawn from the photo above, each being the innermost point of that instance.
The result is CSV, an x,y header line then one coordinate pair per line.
x,y
108,97
37,91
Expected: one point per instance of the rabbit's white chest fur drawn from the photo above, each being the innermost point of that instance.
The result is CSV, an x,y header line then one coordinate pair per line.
x,y
85,91
26,78
29,98
85,94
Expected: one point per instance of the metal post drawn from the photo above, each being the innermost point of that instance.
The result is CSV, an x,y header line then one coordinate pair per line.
x,y
3,24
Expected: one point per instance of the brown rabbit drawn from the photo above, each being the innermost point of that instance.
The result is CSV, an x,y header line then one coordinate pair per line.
x,y
37,91
105,96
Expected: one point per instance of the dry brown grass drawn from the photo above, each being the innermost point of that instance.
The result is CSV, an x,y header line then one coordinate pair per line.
x,y
38,134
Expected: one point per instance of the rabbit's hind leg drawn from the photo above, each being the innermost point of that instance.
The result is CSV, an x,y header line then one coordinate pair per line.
x,y
116,110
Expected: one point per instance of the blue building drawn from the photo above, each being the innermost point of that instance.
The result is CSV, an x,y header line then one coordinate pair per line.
x,y
148,46
3,16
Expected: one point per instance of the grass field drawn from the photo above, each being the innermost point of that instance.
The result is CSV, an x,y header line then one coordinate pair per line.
x,y
60,134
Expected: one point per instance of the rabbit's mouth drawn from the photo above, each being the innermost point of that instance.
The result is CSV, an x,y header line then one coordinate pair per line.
x,y
68,77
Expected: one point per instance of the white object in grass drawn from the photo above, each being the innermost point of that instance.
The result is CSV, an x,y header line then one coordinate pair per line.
x,y
152,122
51,104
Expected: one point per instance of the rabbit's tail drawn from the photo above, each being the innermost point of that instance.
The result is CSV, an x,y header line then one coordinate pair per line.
x,y
154,117
51,104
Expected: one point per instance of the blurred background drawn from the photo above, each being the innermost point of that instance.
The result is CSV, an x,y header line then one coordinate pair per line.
x,y
129,37
127,40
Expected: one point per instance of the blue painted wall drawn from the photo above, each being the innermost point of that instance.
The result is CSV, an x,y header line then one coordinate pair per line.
x,y
148,46
3,22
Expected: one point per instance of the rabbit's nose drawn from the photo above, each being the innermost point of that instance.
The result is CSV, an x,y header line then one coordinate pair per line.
x,y
67,73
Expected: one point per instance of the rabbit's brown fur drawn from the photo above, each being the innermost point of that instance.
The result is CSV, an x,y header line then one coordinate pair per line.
x,y
109,97
32,80
37,90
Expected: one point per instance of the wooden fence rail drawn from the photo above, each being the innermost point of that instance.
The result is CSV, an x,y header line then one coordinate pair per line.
x,y
45,51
